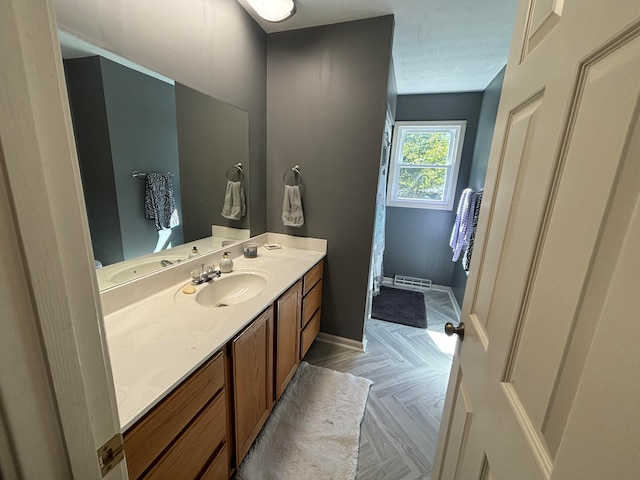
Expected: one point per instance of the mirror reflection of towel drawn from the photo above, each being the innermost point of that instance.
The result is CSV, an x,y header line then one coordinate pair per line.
x,y
159,203
235,206
292,207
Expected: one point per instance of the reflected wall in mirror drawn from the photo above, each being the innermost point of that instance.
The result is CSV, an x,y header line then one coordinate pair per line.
x,y
128,119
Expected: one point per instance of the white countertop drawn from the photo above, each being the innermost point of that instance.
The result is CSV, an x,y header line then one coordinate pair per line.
x,y
157,342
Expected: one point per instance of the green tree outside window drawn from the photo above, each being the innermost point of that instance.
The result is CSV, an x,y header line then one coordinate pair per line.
x,y
424,152
424,163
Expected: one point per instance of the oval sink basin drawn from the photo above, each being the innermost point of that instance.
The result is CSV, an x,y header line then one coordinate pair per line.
x,y
231,290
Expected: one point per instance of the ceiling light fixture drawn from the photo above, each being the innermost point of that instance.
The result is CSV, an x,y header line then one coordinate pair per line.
x,y
273,10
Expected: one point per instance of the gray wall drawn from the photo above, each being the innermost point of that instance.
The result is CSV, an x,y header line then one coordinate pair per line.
x,y
89,114
486,125
327,95
124,121
213,46
212,137
392,90
417,240
141,114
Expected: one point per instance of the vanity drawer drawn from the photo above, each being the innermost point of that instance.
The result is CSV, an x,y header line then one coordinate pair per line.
x,y
311,303
309,334
217,470
191,451
146,440
312,277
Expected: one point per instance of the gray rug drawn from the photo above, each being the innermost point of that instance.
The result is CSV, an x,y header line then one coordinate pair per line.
x,y
400,306
313,431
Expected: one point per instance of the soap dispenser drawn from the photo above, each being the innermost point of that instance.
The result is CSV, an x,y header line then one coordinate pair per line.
x,y
226,264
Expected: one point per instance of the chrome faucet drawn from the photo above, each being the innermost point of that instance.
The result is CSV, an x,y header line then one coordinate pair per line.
x,y
205,276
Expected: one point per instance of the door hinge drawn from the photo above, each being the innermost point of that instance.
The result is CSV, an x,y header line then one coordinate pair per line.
x,y
110,454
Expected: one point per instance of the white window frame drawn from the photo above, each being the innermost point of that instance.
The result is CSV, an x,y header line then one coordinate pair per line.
x,y
457,129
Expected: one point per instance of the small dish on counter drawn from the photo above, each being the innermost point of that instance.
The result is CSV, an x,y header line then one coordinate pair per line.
x,y
250,250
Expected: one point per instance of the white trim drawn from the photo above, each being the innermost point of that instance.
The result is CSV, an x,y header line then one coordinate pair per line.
x,y
39,156
305,243
458,128
449,290
342,341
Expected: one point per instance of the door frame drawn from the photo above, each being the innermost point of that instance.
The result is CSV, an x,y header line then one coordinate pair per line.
x,y
42,181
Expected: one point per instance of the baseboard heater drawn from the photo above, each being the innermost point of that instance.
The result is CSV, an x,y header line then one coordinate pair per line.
x,y
404,281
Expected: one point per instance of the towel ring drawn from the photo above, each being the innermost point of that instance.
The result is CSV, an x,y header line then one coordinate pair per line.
x,y
232,169
296,174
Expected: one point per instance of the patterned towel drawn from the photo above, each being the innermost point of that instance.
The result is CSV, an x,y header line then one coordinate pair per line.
x,y
458,234
159,204
471,232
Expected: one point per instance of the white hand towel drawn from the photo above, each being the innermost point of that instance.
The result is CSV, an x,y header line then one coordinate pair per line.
x,y
292,207
235,206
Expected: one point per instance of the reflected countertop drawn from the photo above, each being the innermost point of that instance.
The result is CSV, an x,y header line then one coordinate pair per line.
x,y
127,270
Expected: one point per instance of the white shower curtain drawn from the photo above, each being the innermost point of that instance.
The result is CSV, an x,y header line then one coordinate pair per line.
x,y
377,253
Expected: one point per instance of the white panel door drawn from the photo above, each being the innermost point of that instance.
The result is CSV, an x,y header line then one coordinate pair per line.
x,y
545,383
57,306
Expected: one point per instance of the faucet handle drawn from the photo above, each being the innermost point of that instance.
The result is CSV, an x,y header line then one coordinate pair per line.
x,y
196,277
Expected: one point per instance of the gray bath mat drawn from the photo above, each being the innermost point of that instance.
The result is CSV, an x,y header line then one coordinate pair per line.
x,y
400,306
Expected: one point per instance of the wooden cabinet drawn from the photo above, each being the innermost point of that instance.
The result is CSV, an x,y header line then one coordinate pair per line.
x,y
207,424
217,470
190,453
311,307
287,334
252,358
161,441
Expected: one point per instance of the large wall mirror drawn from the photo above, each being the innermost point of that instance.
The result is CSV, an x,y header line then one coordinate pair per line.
x,y
130,122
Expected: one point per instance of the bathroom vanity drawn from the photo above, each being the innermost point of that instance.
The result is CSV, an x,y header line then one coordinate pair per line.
x,y
194,383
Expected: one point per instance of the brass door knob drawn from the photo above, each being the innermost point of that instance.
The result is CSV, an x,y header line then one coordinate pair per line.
x,y
449,329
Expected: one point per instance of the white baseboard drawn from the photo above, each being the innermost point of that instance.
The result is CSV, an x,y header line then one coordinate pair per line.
x,y
454,301
387,281
343,342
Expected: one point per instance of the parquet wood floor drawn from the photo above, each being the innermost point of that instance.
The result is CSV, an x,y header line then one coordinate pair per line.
x,y
410,375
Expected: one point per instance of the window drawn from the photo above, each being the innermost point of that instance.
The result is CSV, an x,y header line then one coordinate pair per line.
x,y
425,158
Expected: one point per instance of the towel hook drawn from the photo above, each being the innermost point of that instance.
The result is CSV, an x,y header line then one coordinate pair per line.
x,y
296,174
230,170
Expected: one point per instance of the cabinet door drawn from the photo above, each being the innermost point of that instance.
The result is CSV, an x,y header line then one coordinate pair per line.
x,y
252,357
287,336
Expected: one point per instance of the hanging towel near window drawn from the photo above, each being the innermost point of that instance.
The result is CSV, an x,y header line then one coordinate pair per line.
x,y
235,205
458,234
476,201
292,207
159,203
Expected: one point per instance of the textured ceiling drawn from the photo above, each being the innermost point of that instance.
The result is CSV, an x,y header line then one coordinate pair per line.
x,y
439,45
